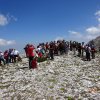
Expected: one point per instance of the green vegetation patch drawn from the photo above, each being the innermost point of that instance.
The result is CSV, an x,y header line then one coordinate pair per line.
x,y
41,59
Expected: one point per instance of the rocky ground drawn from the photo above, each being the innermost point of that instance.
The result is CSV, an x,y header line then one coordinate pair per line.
x,y
65,78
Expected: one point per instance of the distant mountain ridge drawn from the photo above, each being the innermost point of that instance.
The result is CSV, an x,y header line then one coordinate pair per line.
x,y
96,42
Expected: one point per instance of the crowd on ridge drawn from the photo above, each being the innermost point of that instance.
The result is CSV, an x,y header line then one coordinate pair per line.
x,y
9,56
60,47
49,50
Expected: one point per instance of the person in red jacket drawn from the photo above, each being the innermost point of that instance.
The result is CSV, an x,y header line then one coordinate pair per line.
x,y
32,57
6,56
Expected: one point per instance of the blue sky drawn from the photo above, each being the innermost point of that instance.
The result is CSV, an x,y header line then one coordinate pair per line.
x,y
34,21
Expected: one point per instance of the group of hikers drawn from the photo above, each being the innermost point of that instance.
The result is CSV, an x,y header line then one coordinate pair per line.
x,y
48,50
9,56
60,47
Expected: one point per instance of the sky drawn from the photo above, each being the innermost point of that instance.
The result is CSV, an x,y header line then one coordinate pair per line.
x,y
36,21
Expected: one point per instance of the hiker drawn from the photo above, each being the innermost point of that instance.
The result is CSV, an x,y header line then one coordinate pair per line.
x,y
47,46
16,54
61,47
51,51
64,46
79,49
88,50
31,53
26,49
55,49
67,48
70,45
83,49
2,57
11,55
6,56
42,50
40,55
93,52
74,47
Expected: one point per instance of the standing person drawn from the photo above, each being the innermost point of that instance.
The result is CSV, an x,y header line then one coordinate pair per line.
x,y
26,49
79,49
93,52
70,45
74,47
47,46
2,57
61,47
88,50
12,55
64,47
16,54
51,51
83,49
32,57
67,48
6,56
55,49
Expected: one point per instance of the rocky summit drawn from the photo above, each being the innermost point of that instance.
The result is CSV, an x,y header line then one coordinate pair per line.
x,y
67,77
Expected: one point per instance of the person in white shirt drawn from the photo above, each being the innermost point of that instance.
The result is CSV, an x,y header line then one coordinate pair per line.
x,y
16,54
12,55
2,57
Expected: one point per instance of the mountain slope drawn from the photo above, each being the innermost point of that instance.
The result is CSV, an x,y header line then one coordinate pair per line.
x,y
96,42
